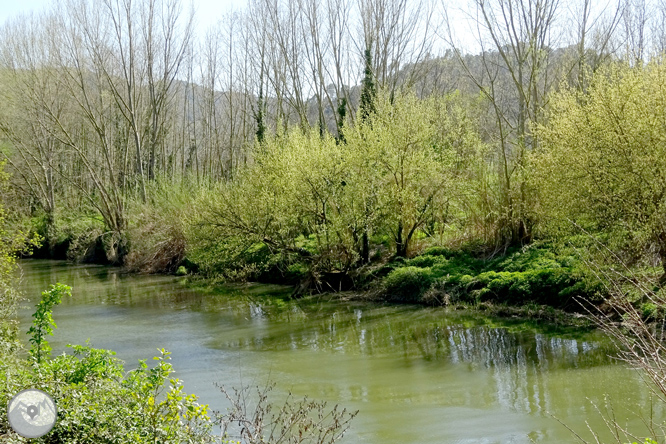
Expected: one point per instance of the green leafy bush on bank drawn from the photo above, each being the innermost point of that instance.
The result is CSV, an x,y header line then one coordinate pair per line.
x,y
97,400
526,275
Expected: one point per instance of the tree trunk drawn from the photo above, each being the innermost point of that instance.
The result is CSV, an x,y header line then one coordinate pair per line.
x,y
400,244
365,248
661,239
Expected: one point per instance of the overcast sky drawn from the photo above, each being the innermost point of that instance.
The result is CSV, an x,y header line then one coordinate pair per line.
x,y
208,11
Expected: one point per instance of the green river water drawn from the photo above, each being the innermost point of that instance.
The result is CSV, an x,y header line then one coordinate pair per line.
x,y
417,375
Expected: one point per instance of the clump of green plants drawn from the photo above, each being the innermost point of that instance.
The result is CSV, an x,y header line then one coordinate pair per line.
x,y
43,323
407,284
97,400
532,274
76,234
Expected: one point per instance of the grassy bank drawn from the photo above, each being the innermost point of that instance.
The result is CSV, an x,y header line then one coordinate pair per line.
x,y
538,273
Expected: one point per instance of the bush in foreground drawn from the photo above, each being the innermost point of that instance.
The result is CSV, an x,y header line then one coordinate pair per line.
x,y
99,402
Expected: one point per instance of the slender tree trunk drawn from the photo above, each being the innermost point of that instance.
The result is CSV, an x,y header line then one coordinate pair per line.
x,y
661,241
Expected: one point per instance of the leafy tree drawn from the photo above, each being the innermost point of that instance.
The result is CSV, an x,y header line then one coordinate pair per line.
x,y
290,200
602,163
419,152
319,202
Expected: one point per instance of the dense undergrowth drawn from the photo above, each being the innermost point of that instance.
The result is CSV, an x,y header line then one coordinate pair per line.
x,y
546,273
532,274
165,237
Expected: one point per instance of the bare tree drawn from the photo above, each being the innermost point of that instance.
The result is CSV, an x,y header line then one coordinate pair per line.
x,y
518,69
29,92
165,42
401,36
635,29
99,83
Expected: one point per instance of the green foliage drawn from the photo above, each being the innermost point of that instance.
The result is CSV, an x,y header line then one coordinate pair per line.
x,y
341,118
427,260
260,115
99,402
651,311
412,155
309,200
544,286
527,275
407,284
43,323
439,251
602,158
76,234
368,88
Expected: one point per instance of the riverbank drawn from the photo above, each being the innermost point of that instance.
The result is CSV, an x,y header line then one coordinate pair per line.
x,y
529,283
549,279
542,281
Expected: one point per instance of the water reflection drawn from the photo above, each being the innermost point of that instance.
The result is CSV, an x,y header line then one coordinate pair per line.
x,y
417,374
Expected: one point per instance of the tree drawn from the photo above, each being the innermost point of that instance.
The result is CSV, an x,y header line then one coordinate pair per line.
x,y
516,40
366,110
368,89
602,163
419,152
401,35
29,90
290,201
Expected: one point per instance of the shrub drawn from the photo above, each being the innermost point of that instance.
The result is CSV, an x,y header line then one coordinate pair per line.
x,y
408,284
439,251
295,422
44,324
157,231
427,260
97,400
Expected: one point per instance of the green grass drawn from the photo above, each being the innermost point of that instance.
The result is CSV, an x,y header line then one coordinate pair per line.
x,y
539,274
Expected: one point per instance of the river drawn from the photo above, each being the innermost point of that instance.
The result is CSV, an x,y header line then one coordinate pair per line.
x,y
416,374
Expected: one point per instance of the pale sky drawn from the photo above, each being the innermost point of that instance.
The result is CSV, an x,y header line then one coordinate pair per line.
x,y
208,11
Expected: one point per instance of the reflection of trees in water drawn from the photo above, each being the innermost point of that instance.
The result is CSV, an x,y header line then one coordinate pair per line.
x,y
526,370
526,367
427,335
